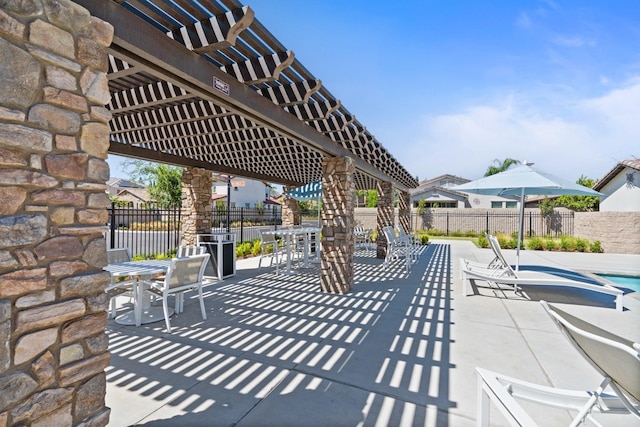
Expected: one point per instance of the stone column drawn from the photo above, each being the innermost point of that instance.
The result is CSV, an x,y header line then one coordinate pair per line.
x,y
338,244
54,138
197,210
290,210
404,211
385,216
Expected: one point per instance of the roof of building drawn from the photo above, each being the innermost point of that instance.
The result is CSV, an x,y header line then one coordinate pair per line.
x,y
619,167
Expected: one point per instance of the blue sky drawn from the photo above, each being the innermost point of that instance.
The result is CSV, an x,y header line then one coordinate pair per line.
x,y
449,86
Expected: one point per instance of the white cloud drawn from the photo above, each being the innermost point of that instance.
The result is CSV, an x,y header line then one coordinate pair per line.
x,y
575,41
571,138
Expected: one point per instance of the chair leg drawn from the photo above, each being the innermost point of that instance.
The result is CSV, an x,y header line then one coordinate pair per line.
x,y
165,309
202,309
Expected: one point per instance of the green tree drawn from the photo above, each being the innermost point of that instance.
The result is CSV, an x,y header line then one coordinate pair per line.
x,y
163,182
546,206
422,206
498,166
372,199
581,203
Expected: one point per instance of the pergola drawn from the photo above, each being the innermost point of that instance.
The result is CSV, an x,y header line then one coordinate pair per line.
x,y
205,84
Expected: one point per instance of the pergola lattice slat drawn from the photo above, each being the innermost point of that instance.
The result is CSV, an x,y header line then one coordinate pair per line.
x,y
268,117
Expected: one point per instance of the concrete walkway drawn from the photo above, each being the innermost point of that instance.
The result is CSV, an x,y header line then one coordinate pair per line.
x,y
399,350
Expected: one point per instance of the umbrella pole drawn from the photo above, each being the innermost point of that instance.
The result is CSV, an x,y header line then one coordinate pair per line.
x,y
520,222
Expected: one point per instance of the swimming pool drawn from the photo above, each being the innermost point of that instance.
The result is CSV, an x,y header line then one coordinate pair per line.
x,y
629,282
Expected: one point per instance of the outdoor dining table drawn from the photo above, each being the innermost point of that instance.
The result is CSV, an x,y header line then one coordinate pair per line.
x,y
289,234
143,312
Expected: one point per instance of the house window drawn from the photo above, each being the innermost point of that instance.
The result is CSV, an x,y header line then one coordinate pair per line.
x,y
496,205
512,205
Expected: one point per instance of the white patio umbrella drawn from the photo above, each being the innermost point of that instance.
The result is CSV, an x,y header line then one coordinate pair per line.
x,y
523,180
309,191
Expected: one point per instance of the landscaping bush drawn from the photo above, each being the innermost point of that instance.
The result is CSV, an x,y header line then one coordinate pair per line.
x,y
581,244
255,248
535,244
243,249
483,242
550,245
596,247
567,244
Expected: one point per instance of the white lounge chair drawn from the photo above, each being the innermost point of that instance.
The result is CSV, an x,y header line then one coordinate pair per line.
x,y
499,272
615,358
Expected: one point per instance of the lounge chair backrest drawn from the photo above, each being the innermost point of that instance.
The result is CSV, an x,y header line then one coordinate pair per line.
x,y
499,261
614,357
184,251
118,255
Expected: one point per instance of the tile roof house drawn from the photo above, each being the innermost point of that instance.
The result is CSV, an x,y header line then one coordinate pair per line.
x,y
621,187
437,193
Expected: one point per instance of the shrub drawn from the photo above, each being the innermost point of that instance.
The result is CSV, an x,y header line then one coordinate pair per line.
x,y
255,248
424,239
535,244
483,242
456,233
243,249
596,247
581,244
550,245
567,244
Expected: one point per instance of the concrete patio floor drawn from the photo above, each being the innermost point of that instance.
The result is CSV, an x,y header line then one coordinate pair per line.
x,y
398,350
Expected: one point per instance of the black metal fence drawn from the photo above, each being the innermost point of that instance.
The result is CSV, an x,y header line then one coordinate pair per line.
x,y
150,229
144,229
452,222
246,222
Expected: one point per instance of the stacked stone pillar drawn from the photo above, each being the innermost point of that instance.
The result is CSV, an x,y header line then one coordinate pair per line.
x,y
384,217
404,211
290,210
338,244
196,203
54,138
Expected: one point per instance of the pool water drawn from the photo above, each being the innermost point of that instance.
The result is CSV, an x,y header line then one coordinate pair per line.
x,y
629,282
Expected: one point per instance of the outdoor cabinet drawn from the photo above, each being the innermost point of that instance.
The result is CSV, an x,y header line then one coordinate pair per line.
x,y
222,247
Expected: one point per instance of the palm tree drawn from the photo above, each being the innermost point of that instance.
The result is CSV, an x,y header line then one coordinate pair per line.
x,y
497,166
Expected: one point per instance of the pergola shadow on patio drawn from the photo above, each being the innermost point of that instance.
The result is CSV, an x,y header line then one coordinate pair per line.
x,y
277,351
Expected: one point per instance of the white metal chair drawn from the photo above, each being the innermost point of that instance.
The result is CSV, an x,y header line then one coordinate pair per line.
x,y
396,248
186,251
410,239
184,274
362,236
119,287
615,358
268,247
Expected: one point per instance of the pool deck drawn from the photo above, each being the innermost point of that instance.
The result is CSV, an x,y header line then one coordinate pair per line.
x,y
398,350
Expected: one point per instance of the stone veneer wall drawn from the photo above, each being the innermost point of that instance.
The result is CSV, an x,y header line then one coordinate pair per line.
x,y
197,210
619,232
290,210
54,138
338,244
384,217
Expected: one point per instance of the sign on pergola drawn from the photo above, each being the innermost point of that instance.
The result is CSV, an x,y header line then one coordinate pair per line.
x,y
212,88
